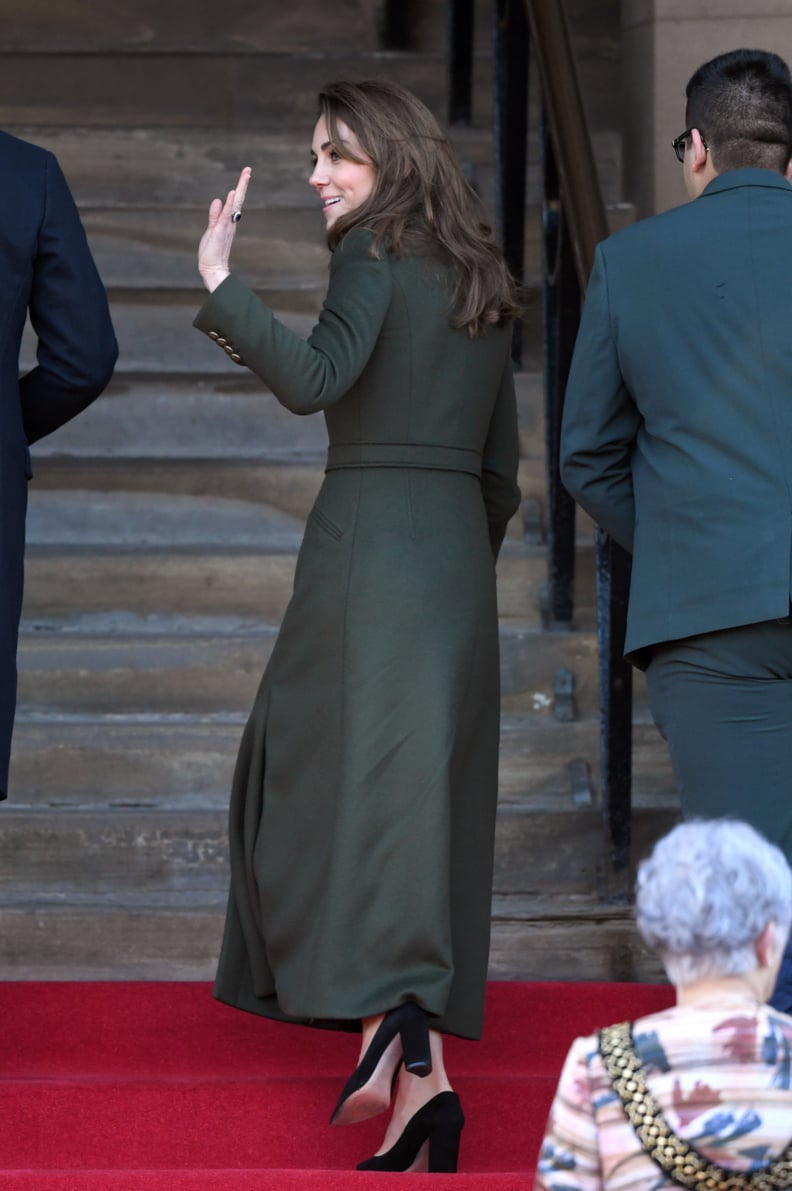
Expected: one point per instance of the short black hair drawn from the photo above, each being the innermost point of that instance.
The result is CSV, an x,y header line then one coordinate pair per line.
x,y
741,103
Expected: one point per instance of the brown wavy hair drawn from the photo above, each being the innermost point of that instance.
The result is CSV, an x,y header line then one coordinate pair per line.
x,y
421,203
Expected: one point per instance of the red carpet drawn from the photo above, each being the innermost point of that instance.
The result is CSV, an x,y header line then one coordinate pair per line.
x,y
120,1087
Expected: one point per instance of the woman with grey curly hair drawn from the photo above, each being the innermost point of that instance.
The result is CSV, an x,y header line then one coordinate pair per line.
x,y
706,895
699,1094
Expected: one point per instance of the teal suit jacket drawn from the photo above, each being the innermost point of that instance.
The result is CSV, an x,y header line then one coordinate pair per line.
x,y
677,428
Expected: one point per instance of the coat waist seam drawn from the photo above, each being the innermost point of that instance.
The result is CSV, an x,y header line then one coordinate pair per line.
x,y
404,455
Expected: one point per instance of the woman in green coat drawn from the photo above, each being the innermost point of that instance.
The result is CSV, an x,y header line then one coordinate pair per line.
x,y
363,804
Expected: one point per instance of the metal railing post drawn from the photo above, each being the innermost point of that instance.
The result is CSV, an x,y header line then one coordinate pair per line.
x,y
561,316
582,212
395,24
616,689
460,24
511,49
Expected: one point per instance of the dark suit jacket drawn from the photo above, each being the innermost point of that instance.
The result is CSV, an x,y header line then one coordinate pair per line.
x,y
46,269
677,430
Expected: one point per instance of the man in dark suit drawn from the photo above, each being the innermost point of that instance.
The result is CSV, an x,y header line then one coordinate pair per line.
x,y
46,270
677,439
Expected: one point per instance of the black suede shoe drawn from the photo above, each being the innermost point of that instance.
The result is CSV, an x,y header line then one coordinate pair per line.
x,y
368,1089
437,1125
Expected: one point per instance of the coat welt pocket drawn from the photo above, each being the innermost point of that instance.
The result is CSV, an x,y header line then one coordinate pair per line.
x,y
323,522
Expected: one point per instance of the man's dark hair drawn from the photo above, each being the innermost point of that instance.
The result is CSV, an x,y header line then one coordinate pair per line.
x,y
741,103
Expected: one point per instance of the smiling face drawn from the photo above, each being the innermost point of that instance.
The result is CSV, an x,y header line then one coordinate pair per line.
x,y
342,184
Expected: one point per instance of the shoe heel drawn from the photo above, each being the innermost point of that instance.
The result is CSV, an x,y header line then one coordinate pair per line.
x,y
367,1091
449,1121
444,1151
439,1123
415,1042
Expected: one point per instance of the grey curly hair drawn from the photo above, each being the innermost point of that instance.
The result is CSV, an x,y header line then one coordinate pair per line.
x,y
705,895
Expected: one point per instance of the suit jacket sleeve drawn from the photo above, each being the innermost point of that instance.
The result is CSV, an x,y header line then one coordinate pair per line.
x,y
600,421
77,348
500,460
308,375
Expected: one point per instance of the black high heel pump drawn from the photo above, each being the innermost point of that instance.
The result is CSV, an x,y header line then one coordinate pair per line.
x,y
439,1123
368,1089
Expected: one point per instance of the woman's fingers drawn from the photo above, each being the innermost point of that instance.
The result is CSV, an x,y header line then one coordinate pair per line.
x,y
215,211
215,248
235,198
241,189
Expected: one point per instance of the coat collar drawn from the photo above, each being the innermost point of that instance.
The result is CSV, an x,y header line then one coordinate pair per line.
x,y
732,179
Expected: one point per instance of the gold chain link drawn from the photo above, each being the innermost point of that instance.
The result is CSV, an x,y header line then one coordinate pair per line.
x,y
681,1162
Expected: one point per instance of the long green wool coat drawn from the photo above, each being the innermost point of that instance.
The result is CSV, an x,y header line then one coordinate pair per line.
x,y
363,804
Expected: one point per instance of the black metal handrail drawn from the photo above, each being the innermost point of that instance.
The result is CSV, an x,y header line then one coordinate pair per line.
x,y
460,28
510,54
574,221
579,187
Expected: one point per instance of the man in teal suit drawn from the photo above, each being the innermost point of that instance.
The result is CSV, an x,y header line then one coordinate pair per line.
x,y
677,439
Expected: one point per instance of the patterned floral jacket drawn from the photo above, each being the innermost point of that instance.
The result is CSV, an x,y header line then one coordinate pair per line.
x,y
721,1073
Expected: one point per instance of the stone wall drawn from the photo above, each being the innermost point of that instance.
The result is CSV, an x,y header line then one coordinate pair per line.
x,y
245,63
663,43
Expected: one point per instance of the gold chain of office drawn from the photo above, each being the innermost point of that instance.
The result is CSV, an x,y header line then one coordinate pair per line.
x,y
681,1162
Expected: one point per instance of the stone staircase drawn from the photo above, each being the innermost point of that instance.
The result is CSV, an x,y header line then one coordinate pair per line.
x,y
164,523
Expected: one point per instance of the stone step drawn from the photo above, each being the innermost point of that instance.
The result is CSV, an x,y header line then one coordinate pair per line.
x,y
157,520
560,852
180,762
149,761
221,416
214,89
159,66
143,217
112,663
46,27
287,477
281,250
179,170
209,159
199,505
154,459
177,517
223,437
178,938
79,674
278,251
123,664
567,938
156,337
532,658
285,473
537,751
182,26
68,582
91,852
275,469
142,938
